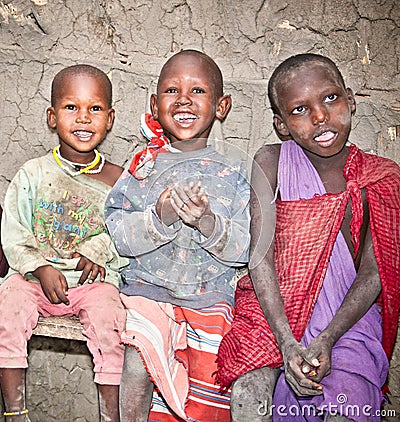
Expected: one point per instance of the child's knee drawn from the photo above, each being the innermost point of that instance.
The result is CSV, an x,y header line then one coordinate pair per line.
x,y
133,364
252,393
13,290
18,309
103,313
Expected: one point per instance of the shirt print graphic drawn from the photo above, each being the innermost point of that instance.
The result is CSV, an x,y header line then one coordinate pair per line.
x,y
62,220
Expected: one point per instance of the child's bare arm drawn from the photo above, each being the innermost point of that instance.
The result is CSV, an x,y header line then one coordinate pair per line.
x,y
358,300
263,273
53,283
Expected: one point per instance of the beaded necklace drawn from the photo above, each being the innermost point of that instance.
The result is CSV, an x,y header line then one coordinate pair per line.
x,y
87,168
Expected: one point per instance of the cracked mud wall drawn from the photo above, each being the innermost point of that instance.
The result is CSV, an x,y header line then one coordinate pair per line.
x,y
130,40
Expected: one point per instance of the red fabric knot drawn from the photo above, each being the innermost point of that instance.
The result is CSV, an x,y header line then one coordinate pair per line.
x,y
143,162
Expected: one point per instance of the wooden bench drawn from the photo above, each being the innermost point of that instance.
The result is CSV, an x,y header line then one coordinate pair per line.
x,y
60,327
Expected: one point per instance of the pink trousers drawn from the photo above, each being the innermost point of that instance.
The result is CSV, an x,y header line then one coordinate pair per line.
x,y
97,305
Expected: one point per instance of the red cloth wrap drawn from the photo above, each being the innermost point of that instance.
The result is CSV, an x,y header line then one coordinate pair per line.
x,y
305,234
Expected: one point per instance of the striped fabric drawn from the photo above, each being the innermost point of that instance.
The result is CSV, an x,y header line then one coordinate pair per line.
x,y
179,347
305,234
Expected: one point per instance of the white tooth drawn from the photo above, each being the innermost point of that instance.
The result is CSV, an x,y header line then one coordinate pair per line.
x,y
184,117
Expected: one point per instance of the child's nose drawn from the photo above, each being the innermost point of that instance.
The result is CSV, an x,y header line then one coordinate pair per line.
x,y
83,116
320,115
183,99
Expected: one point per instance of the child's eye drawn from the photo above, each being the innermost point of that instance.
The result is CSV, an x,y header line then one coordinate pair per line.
x,y
331,97
96,108
70,107
299,110
171,90
198,90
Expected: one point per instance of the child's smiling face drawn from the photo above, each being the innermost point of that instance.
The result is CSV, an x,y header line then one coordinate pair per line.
x,y
315,109
81,114
189,99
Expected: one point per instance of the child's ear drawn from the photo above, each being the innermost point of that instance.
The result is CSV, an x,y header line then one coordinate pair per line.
x,y
224,105
110,118
280,125
153,106
51,118
351,100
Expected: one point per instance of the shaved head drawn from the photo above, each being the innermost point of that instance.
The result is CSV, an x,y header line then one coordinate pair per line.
x,y
287,69
78,70
214,72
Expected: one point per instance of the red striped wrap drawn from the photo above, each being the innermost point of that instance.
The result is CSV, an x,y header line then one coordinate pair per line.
x,y
305,234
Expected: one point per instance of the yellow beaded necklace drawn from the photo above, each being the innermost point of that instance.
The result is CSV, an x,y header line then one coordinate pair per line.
x,y
87,168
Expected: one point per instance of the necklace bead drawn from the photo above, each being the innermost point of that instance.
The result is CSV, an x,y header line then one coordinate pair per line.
x,y
86,168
